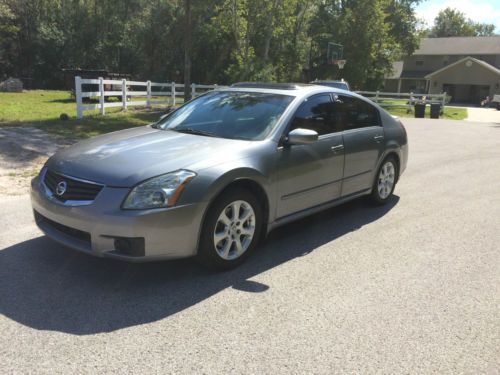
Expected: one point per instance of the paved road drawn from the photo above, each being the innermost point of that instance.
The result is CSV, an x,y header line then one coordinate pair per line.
x,y
409,288
476,114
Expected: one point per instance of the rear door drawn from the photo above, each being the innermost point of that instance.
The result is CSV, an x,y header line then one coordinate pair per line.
x,y
363,142
310,175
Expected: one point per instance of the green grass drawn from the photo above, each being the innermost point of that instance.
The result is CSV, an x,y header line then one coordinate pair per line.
x,y
450,113
42,109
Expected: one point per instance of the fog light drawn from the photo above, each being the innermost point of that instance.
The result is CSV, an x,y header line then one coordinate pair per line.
x,y
131,246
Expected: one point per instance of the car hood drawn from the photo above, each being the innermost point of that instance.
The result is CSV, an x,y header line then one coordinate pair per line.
x,y
127,157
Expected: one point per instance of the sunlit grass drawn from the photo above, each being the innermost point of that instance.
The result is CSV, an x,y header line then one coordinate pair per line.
x,y
398,107
41,108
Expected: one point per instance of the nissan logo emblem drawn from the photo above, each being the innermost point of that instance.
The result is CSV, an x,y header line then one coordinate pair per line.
x,y
61,188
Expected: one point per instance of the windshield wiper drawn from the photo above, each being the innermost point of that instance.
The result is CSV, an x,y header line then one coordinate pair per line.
x,y
195,131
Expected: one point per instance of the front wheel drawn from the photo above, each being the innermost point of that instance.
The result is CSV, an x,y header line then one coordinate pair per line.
x,y
384,184
231,230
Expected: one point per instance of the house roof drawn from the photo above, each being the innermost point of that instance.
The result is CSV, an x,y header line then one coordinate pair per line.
x,y
397,69
480,62
477,45
398,72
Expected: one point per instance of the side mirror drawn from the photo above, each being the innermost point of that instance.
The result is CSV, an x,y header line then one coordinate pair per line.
x,y
302,137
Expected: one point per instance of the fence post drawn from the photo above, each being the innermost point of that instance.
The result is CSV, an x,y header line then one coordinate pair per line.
x,y
193,90
148,95
173,94
78,96
101,96
124,94
410,102
376,97
215,87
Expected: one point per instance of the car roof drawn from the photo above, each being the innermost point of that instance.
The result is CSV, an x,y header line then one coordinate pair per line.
x,y
271,85
289,89
329,81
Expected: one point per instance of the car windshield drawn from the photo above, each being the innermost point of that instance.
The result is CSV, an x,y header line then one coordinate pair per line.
x,y
228,114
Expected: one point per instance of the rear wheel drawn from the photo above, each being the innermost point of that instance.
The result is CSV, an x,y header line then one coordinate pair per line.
x,y
231,230
384,184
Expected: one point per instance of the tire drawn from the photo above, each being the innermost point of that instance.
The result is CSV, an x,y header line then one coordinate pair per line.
x,y
385,181
228,240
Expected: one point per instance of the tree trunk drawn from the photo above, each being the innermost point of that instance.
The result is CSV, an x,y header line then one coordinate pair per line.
x,y
269,31
187,50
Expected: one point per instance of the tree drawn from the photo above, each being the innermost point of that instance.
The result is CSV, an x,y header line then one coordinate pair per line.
x,y
374,33
451,22
209,41
8,37
484,29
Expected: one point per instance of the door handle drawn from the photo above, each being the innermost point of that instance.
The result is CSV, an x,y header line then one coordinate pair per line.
x,y
378,138
337,148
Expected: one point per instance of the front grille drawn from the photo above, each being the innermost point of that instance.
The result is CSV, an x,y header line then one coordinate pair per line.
x,y
76,190
72,232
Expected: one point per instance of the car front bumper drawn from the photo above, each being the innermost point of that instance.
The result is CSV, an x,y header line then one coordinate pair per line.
x,y
102,228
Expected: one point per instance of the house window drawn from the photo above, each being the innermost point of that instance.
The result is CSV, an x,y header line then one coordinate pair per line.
x,y
419,62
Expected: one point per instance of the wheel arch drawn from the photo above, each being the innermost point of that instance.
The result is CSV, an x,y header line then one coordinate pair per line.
x,y
248,183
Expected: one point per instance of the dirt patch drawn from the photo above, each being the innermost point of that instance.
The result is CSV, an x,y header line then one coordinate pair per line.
x,y
23,151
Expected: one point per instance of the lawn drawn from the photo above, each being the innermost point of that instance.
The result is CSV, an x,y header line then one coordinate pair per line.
x,y
450,113
42,108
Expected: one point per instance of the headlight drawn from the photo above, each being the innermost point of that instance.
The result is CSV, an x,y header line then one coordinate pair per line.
x,y
157,192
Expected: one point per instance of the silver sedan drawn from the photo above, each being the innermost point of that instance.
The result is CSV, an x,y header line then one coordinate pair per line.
x,y
213,177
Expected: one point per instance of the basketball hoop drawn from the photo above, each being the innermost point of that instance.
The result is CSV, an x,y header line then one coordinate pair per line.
x,y
339,63
335,55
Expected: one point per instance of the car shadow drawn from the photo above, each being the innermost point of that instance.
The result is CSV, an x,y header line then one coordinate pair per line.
x,y
46,286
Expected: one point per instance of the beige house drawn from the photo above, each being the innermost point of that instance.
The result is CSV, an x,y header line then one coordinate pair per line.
x,y
466,68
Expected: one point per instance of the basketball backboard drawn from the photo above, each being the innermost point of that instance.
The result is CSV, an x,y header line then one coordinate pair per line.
x,y
335,52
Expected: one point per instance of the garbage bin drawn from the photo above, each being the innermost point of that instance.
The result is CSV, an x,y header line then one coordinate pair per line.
x,y
419,110
435,110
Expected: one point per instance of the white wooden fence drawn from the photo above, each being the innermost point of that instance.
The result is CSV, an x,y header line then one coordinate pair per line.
x,y
149,91
409,99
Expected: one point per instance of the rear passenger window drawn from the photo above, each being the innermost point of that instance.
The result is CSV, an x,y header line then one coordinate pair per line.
x,y
317,113
357,113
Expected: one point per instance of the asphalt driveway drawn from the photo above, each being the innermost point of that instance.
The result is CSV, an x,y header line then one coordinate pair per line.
x,y
412,287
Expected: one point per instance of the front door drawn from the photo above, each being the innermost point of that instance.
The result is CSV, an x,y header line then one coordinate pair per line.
x,y
363,142
310,175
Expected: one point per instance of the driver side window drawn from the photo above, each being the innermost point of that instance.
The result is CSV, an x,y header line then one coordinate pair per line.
x,y
316,113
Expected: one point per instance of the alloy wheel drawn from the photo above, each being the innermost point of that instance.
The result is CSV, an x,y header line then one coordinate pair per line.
x,y
234,230
386,179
